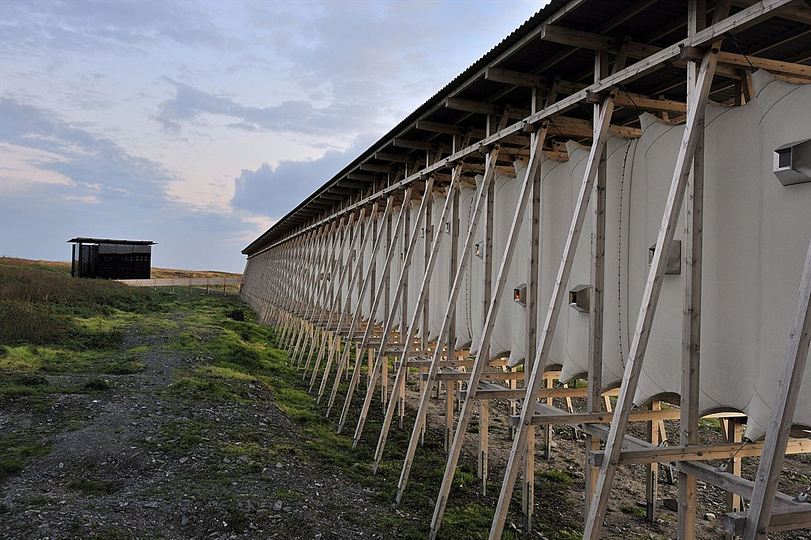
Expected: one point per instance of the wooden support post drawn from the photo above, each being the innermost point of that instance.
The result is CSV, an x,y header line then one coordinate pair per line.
x,y
369,362
650,298
481,362
559,292
381,294
531,343
357,317
652,476
384,381
450,309
691,322
594,377
734,434
549,383
785,403
450,396
484,354
484,434
399,293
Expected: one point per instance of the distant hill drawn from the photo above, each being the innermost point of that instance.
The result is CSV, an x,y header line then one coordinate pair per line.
x,y
64,267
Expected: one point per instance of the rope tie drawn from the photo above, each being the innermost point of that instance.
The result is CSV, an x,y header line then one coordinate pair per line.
x,y
724,467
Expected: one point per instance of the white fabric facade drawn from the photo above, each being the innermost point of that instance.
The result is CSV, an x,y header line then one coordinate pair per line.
x,y
755,236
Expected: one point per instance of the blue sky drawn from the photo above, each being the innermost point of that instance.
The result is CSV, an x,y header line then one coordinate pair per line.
x,y
197,124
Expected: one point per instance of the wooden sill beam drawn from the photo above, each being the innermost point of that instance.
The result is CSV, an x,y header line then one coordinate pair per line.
x,y
670,454
464,376
782,519
544,393
551,415
706,473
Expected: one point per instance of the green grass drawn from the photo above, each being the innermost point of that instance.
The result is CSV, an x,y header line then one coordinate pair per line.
x,y
634,510
235,361
17,451
556,476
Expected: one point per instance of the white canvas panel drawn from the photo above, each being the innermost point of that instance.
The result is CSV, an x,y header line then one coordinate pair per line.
x,y
518,278
440,280
416,268
505,194
469,300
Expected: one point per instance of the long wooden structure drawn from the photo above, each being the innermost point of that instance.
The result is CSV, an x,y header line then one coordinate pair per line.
x,y
373,272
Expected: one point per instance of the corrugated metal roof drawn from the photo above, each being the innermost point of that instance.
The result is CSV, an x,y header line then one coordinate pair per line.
x,y
659,22
505,44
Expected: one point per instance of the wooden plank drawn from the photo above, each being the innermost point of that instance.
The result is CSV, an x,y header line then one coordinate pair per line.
x,y
671,454
781,519
691,320
596,308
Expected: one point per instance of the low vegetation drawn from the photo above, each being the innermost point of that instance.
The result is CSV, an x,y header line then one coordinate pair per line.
x,y
63,336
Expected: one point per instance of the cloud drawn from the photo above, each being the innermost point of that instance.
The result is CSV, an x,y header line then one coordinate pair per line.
x,y
95,165
275,191
92,26
190,104
103,190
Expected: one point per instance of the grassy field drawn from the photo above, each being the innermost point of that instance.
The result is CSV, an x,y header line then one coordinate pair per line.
x,y
190,382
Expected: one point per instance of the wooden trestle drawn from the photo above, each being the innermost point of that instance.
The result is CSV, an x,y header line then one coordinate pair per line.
x,y
318,269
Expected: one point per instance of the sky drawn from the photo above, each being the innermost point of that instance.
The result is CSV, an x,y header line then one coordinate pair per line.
x,y
198,124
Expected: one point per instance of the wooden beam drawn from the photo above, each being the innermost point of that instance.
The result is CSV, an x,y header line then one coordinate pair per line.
x,y
439,127
555,33
391,156
670,454
480,107
360,177
415,145
781,519
371,167
785,403
633,365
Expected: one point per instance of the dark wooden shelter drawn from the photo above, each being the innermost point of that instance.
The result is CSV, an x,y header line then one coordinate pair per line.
x,y
106,258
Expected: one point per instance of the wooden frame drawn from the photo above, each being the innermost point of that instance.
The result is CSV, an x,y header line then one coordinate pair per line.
x,y
303,322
